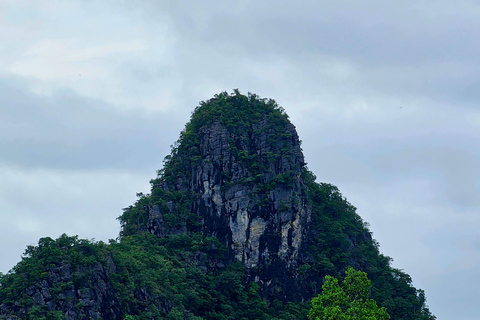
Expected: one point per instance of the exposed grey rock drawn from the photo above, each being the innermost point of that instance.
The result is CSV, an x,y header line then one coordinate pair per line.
x,y
91,298
261,228
155,223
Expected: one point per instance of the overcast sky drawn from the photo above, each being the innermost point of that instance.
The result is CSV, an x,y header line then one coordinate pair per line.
x,y
384,94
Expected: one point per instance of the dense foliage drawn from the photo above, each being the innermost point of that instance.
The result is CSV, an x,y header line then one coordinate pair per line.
x,y
154,278
186,274
348,301
40,262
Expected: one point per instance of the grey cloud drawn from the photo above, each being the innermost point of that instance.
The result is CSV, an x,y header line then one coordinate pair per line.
x,y
372,32
455,303
449,162
399,48
72,132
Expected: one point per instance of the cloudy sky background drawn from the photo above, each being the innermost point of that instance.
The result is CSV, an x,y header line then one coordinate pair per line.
x,y
384,94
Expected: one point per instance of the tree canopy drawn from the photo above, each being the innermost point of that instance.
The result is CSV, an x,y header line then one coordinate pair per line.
x,y
347,301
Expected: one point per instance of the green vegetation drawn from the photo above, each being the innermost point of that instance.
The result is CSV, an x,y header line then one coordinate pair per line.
x,y
40,262
235,112
347,302
154,278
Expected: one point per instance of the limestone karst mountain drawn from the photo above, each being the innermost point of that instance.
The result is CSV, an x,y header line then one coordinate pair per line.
x,y
235,227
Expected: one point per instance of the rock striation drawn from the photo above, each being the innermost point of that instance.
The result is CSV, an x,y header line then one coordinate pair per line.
x,y
256,225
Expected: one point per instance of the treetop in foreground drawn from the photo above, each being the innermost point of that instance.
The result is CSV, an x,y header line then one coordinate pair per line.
x,y
347,301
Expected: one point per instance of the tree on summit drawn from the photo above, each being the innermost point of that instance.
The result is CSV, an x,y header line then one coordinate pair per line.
x,y
350,301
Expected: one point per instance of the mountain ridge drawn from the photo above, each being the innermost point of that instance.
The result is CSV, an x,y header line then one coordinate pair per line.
x,y
234,218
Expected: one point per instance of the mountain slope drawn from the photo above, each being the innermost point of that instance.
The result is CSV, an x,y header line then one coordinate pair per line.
x,y
235,227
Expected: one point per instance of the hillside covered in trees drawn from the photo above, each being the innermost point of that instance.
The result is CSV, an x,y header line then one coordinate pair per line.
x,y
235,227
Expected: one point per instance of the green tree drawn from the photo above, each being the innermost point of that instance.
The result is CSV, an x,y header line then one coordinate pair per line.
x,y
350,301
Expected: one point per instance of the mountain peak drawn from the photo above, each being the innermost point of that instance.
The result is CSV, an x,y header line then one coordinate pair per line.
x,y
238,166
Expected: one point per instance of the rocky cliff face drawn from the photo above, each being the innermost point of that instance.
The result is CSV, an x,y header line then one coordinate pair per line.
x,y
248,192
82,291
258,223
